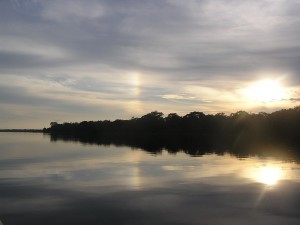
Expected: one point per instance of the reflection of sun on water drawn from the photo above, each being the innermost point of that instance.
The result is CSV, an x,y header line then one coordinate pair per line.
x,y
269,175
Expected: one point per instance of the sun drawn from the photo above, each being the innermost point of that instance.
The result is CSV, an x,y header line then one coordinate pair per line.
x,y
265,91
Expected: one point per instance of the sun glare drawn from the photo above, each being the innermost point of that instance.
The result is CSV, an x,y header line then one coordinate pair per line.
x,y
265,91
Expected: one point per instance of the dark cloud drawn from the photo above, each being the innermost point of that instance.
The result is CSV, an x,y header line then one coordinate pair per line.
x,y
167,37
295,99
19,60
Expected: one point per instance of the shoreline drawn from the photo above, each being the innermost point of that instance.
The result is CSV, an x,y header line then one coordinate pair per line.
x,y
22,130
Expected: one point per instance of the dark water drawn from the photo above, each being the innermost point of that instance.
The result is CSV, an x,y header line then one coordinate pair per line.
x,y
43,182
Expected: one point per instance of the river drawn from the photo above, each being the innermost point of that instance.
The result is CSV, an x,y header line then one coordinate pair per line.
x,y
57,182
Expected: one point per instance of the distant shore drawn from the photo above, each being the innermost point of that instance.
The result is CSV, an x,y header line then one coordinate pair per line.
x,y
22,130
239,131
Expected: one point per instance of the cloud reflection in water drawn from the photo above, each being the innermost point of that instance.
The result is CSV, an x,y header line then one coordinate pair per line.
x,y
68,183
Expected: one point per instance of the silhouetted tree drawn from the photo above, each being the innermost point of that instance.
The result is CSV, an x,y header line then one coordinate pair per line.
x,y
193,132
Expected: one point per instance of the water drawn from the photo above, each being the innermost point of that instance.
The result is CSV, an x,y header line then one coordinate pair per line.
x,y
44,182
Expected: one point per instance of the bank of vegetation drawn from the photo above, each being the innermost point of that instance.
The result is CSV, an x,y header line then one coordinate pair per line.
x,y
195,131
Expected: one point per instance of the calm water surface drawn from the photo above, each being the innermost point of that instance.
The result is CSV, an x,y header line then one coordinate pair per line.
x,y
43,182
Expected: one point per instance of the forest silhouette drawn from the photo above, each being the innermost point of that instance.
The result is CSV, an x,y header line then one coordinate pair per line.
x,y
196,133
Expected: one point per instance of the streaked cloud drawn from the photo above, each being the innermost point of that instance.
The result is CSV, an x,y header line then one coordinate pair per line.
x,y
130,57
70,11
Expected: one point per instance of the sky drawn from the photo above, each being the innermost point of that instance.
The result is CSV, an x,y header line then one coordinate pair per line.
x,y
76,60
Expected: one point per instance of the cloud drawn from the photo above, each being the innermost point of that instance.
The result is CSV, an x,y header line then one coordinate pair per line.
x,y
175,46
70,11
295,99
177,97
198,39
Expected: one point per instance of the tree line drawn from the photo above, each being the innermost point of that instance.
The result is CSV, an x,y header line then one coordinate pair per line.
x,y
194,131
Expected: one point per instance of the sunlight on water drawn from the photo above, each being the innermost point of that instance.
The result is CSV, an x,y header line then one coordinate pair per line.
x,y
134,177
269,175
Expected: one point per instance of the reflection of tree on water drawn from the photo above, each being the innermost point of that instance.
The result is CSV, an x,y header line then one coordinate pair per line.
x,y
240,133
188,145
